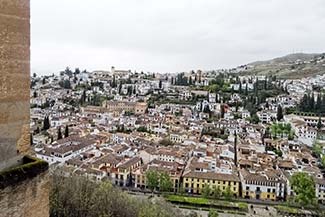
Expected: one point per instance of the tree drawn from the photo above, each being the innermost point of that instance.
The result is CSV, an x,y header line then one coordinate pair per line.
x,y
59,133
206,191
319,123
206,109
76,196
212,213
216,192
254,119
65,84
129,90
322,161
114,85
77,71
31,140
222,111
227,193
190,82
165,183
66,131
279,113
46,123
303,186
83,97
120,88
152,178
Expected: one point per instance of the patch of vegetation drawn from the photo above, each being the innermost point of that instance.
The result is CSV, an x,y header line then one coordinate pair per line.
x,y
78,196
287,209
207,203
29,168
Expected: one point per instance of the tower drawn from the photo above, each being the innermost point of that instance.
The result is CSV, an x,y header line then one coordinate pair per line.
x,y
24,181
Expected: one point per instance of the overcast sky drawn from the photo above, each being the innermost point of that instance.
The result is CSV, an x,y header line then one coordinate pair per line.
x,y
171,35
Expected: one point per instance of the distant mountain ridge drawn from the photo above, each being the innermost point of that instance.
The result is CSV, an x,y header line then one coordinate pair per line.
x,y
292,66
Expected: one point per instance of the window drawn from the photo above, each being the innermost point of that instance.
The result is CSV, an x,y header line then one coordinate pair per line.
x,y
247,188
268,190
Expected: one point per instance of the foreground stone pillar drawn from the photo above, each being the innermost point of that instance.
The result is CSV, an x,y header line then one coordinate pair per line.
x,y
14,79
24,181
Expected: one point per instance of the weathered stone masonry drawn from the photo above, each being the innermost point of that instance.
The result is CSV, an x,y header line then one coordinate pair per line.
x,y
24,187
14,77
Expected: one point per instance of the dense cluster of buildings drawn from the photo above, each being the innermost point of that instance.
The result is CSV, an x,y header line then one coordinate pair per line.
x,y
120,124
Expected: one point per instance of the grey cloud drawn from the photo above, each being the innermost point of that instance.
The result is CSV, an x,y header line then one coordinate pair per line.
x,y
171,35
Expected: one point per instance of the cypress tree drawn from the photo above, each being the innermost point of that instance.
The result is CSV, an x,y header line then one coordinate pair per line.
x,y
59,133
114,82
31,139
319,123
279,114
222,111
46,123
66,131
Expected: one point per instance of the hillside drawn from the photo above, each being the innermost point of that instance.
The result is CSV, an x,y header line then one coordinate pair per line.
x,y
293,66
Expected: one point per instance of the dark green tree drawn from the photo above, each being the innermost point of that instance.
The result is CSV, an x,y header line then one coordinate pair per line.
x,y
279,114
206,109
31,139
216,192
114,85
152,178
190,82
222,111
83,98
303,186
66,131
213,213
46,123
120,88
165,182
319,123
206,191
77,71
59,133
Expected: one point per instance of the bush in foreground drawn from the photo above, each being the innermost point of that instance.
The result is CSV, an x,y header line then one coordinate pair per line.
x,y
80,197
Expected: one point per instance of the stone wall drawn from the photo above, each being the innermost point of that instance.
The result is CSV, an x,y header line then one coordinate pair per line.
x,y
27,199
14,79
